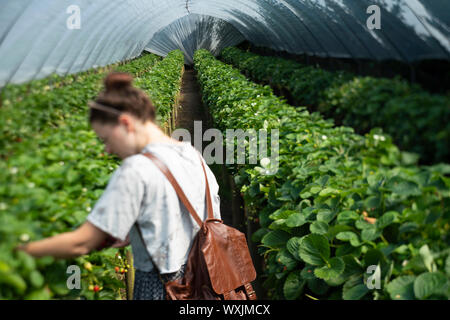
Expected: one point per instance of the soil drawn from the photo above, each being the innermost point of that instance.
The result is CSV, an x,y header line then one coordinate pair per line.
x,y
191,109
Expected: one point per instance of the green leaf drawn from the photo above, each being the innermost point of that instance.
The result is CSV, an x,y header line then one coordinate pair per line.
x,y
42,294
402,249
28,262
36,279
372,202
401,288
259,234
374,257
293,286
315,190
275,239
282,214
347,217
429,283
286,259
319,227
346,249
447,266
13,280
403,187
349,236
333,269
427,258
352,266
325,215
386,219
370,234
293,245
305,195
317,286
328,191
308,272
354,289
335,229
314,249
296,220
408,227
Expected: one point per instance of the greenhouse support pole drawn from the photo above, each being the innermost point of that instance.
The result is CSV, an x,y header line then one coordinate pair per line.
x,y
129,276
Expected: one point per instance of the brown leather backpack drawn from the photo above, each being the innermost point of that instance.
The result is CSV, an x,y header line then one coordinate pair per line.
x,y
219,265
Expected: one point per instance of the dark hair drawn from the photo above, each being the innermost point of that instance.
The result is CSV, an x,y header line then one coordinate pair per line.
x,y
119,96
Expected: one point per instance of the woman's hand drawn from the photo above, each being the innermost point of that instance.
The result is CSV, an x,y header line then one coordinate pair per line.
x,y
121,244
69,244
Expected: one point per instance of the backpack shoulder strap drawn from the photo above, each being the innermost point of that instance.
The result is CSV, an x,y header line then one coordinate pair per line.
x,y
178,189
208,194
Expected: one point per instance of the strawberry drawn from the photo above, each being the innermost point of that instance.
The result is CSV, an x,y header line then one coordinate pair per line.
x,y
88,266
370,220
96,288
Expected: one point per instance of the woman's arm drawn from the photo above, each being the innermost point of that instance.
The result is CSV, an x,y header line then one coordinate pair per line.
x,y
69,244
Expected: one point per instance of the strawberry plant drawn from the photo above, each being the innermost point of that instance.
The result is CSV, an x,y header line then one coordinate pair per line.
x,y
342,209
163,83
52,179
416,120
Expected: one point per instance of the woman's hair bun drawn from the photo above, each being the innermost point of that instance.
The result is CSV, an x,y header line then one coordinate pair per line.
x,y
118,81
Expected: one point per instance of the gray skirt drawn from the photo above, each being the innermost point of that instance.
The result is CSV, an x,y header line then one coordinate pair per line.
x,y
149,285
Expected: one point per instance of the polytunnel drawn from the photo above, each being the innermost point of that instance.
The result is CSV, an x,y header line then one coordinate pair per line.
x,y
224,150
38,38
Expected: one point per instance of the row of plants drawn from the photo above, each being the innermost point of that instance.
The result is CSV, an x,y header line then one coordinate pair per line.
x,y
163,84
26,111
16,92
345,216
51,179
418,121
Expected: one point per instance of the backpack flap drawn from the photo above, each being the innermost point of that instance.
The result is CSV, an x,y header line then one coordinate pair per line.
x,y
227,257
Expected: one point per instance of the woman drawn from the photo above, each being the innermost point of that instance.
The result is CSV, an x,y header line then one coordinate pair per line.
x,y
138,195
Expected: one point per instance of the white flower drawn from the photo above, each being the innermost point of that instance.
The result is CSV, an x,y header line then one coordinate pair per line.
x,y
61,163
376,137
111,168
84,190
404,263
24,237
3,206
14,170
88,209
265,162
382,138
31,185
324,137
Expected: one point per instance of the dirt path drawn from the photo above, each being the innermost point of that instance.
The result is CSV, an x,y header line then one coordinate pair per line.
x,y
231,204
191,109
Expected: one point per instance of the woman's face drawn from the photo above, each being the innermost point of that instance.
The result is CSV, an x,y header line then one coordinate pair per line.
x,y
119,139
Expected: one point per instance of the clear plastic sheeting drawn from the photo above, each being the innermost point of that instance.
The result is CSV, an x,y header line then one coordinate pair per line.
x,y
193,32
36,40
